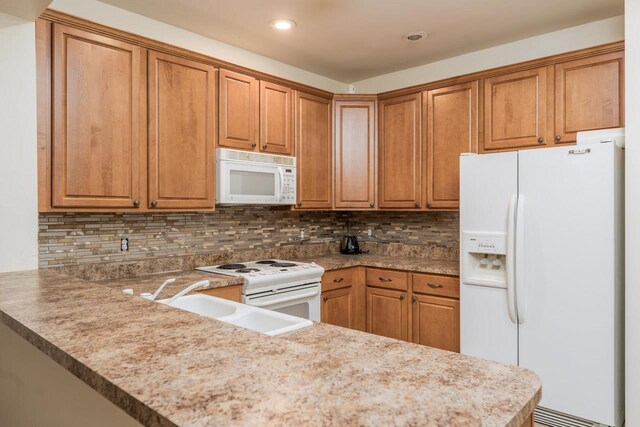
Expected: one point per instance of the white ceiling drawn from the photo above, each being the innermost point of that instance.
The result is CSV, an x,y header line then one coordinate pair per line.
x,y
350,40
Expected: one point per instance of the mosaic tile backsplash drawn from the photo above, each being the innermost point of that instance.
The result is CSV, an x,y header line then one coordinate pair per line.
x,y
68,239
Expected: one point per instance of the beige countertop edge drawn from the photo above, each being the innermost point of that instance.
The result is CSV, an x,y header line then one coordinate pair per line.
x,y
26,298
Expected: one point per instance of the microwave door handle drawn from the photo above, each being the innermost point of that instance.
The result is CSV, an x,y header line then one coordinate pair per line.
x,y
281,177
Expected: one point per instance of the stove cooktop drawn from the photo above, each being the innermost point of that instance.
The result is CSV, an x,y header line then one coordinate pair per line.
x,y
268,272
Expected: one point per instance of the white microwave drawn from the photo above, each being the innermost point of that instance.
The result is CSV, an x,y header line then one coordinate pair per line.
x,y
248,178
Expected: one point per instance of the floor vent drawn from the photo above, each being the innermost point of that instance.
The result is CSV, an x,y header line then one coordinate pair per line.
x,y
550,418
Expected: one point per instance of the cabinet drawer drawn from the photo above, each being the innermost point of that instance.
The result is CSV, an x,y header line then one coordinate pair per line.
x,y
387,279
436,285
336,279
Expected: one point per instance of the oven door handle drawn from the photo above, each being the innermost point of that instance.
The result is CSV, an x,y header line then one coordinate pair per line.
x,y
291,298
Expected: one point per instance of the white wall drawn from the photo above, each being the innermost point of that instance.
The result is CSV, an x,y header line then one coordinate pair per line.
x,y
574,38
632,190
121,19
18,163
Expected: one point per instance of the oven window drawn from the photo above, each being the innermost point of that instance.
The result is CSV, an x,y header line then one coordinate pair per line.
x,y
298,310
252,183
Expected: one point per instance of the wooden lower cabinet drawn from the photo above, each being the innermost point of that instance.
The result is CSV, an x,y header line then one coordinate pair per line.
x,y
232,293
337,307
436,322
388,313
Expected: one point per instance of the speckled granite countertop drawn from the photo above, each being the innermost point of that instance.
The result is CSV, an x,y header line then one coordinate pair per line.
x,y
165,366
151,282
397,262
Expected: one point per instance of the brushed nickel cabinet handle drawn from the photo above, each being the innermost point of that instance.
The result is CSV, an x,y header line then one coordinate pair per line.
x,y
385,279
435,285
136,203
338,279
154,203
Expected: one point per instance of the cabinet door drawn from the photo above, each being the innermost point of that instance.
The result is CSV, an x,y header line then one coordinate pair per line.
x,y
337,307
400,164
452,129
515,110
313,151
355,154
181,133
387,313
436,322
589,95
276,127
98,124
239,113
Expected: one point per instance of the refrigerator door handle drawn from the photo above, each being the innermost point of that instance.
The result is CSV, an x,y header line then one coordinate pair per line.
x,y
519,267
511,243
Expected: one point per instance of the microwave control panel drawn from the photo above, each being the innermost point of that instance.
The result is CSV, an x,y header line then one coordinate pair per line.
x,y
289,185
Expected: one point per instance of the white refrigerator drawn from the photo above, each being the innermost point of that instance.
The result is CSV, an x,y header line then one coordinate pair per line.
x,y
541,257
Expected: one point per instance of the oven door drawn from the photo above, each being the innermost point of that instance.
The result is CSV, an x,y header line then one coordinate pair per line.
x,y
248,183
300,301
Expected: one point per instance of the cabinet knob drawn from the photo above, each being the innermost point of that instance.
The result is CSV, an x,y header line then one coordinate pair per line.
x,y
371,205
558,138
254,145
299,204
264,147
402,296
324,299
414,299
417,204
136,202
154,203
338,279
541,140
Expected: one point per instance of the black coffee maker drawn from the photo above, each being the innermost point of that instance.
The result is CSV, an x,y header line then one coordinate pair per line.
x,y
349,246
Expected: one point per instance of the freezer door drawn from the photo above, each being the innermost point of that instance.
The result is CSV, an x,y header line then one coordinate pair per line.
x,y
565,277
487,183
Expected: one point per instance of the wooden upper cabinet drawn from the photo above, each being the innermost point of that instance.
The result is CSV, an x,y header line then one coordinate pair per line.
x,y
436,322
451,128
97,141
276,119
182,96
515,110
239,111
589,95
387,313
355,154
313,151
400,152
337,307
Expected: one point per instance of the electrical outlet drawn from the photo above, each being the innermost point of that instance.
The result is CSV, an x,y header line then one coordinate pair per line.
x,y
124,244
301,234
369,233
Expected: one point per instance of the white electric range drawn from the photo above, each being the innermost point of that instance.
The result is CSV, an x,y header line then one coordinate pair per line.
x,y
285,286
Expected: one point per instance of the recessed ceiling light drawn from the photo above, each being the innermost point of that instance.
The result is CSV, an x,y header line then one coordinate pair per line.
x,y
283,24
414,36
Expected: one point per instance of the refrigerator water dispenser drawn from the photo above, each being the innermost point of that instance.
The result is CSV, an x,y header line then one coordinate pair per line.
x,y
484,259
